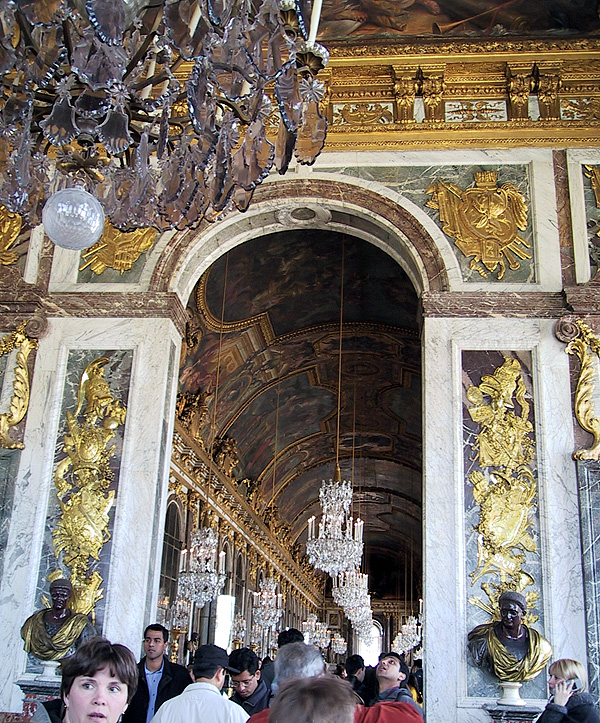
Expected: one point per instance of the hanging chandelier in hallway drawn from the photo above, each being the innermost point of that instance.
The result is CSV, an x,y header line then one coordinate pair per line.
x,y
409,636
350,588
315,632
338,544
159,110
202,582
268,605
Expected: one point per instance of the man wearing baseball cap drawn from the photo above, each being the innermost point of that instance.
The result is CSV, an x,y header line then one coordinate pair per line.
x,y
202,701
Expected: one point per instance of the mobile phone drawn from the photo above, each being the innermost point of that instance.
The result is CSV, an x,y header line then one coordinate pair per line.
x,y
576,683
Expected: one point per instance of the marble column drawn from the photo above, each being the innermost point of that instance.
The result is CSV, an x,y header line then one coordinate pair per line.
x,y
454,691
145,354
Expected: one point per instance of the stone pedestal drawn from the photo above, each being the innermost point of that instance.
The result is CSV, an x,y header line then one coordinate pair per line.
x,y
512,713
39,688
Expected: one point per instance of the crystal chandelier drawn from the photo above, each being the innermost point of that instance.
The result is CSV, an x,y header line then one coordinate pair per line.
x,y
161,109
238,628
316,632
338,644
179,614
350,588
408,637
202,582
338,545
268,605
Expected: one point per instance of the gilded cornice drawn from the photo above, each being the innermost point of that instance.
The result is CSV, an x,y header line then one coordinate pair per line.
x,y
190,465
473,94
348,53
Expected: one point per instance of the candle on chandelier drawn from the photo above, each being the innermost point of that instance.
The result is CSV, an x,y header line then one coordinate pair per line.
x,y
311,527
222,556
358,530
182,565
195,20
420,606
315,16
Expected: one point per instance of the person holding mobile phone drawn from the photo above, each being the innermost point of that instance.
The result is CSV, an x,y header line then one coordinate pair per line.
x,y
569,700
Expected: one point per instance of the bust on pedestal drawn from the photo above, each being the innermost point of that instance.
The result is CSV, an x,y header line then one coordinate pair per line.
x,y
509,649
54,633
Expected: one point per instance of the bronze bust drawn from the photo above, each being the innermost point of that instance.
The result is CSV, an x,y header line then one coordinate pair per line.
x,y
54,633
507,648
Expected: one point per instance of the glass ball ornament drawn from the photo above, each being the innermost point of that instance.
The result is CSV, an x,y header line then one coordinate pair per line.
x,y
73,219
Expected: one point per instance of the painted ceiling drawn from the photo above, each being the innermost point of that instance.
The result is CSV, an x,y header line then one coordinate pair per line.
x,y
373,19
266,317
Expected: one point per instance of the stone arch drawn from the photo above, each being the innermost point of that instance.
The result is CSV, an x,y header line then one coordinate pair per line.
x,y
364,209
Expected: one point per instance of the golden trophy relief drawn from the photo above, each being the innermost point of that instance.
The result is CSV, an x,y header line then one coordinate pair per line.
x,y
586,347
484,220
10,228
19,402
505,494
118,250
504,488
82,479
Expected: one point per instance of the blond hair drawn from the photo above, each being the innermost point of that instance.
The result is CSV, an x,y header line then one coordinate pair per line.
x,y
568,669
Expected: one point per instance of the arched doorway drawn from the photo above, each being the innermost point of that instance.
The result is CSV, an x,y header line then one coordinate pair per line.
x,y
262,359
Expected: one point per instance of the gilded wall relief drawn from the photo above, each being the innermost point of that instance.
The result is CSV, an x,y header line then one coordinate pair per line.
x,y
591,185
484,212
82,480
586,347
502,525
19,401
116,256
87,460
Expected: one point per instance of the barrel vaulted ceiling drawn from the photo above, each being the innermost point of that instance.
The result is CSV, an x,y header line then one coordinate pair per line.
x,y
277,363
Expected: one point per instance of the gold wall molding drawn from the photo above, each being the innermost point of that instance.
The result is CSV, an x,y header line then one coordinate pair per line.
x,y
19,402
82,479
504,485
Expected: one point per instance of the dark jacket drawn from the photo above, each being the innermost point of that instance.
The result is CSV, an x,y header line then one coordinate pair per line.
x,y
259,700
360,689
579,709
174,680
400,694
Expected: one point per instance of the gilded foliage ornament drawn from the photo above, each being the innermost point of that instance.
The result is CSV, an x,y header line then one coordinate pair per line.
x,y
504,485
484,220
19,402
82,479
10,228
586,347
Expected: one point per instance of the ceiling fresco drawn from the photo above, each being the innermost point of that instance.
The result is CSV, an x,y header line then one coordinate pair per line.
x,y
373,19
265,319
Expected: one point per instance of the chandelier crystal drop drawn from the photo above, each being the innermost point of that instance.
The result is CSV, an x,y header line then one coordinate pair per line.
x,y
201,583
268,605
350,588
338,546
160,110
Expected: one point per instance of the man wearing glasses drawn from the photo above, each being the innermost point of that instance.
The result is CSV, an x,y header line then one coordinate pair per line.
x,y
250,691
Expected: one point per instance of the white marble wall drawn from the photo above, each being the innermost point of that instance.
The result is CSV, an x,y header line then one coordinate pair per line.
x,y
445,573
132,587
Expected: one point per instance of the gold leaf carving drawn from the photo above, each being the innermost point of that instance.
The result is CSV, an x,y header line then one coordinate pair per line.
x,y
82,479
10,228
19,402
587,348
484,220
504,485
118,250
357,113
